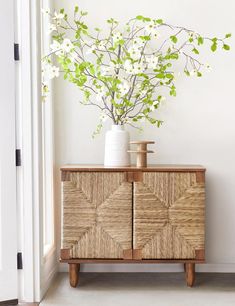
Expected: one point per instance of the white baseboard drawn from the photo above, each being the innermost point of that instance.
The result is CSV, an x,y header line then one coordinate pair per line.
x,y
49,271
210,268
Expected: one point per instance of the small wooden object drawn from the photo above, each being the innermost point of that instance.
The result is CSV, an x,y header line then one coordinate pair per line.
x,y
141,151
190,274
74,274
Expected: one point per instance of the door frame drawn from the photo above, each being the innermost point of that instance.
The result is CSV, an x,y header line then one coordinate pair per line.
x,y
29,130
8,201
38,270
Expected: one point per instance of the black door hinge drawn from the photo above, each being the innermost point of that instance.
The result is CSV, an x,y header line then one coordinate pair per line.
x,y
16,52
18,157
19,261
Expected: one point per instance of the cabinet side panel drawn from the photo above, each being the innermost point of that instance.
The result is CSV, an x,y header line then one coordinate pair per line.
x,y
97,215
169,215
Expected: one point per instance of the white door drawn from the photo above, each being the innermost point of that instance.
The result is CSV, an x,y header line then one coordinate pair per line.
x,y
8,223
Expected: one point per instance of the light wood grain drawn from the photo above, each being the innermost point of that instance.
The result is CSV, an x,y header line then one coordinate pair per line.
x,y
190,274
151,168
74,274
128,261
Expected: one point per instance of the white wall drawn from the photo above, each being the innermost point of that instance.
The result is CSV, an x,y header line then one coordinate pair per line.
x,y
199,122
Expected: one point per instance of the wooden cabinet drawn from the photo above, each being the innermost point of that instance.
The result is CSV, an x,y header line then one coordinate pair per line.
x,y
153,214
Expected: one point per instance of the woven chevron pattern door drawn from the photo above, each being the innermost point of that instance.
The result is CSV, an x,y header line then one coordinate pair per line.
x,y
97,215
169,215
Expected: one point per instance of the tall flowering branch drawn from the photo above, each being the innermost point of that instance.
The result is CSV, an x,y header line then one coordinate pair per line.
x,y
124,72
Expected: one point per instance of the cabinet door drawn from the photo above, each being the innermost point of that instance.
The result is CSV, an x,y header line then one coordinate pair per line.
x,y
97,215
169,216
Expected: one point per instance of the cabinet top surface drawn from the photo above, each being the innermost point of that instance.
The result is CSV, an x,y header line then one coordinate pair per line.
x,y
157,167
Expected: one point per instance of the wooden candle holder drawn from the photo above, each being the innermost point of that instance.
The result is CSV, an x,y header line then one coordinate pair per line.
x,y
141,151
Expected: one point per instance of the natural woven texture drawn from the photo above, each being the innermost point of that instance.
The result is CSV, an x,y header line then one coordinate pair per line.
x,y
169,215
97,215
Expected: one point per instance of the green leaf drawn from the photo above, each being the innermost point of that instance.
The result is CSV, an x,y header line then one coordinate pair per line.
x,y
112,21
228,35
146,38
159,21
169,76
76,9
160,75
199,74
214,39
200,40
62,11
84,13
97,29
173,91
226,47
92,70
195,51
174,39
87,94
214,47
139,17
190,39
174,56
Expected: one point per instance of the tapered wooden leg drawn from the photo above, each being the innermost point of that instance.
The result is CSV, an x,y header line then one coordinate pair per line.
x,y
74,274
190,274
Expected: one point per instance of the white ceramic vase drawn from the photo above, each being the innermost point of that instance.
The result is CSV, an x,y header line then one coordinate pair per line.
x,y
116,147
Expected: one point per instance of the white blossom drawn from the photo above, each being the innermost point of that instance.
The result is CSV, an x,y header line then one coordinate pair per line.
x,y
103,117
117,37
67,45
49,71
52,28
54,72
142,119
156,34
152,61
135,53
138,42
138,67
208,67
73,56
58,15
58,18
100,93
143,92
104,70
135,68
114,66
124,87
101,45
91,49
57,48
193,72
45,10
152,107
151,28
128,66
